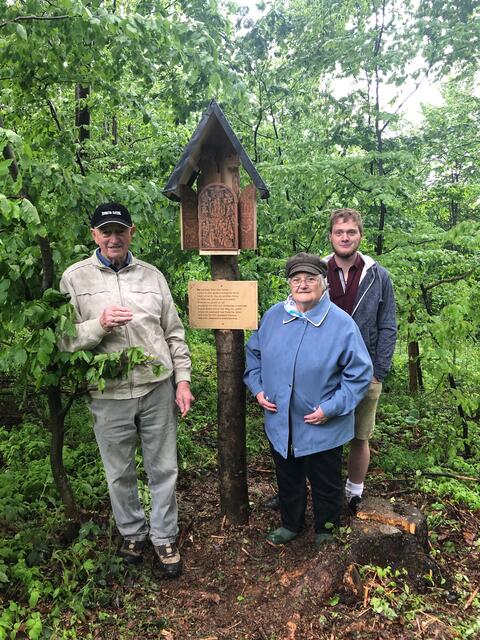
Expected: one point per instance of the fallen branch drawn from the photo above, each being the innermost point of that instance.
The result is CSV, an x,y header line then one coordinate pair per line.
x,y
471,599
434,474
437,474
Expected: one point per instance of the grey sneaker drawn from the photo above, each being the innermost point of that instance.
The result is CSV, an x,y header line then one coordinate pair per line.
x,y
132,551
169,560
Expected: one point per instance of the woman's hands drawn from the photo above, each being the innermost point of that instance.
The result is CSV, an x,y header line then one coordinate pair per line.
x,y
317,417
265,403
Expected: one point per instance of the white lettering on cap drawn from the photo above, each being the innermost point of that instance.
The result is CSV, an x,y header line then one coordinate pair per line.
x,y
111,213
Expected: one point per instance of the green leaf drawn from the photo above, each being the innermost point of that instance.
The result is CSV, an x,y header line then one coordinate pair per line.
x,y
54,297
43,357
5,167
89,565
21,31
19,356
29,212
4,287
34,626
34,597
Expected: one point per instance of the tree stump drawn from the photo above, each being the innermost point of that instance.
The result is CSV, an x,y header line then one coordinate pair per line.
x,y
390,534
332,573
383,534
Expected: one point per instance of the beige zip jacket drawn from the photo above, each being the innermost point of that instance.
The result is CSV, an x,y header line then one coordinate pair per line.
x,y
155,325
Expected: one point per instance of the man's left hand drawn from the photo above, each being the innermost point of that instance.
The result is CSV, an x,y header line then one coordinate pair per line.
x,y
184,397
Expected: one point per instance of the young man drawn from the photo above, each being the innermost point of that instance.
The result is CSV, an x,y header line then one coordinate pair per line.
x,y
362,288
123,302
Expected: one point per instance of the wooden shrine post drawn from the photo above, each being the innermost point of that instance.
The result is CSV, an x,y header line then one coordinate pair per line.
x,y
232,456
219,190
219,219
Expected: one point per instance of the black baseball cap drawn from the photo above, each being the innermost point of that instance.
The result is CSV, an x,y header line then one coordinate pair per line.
x,y
305,263
111,212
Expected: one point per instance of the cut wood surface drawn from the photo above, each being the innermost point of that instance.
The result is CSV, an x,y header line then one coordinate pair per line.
x,y
385,533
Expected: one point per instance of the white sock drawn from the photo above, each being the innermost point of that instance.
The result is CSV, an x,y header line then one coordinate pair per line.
x,y
352,489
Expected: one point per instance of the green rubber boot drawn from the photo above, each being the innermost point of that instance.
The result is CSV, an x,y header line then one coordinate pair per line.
x,y
323,538
281,536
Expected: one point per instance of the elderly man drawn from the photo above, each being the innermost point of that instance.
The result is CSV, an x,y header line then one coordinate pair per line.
x,y
123,302
308,368
362,288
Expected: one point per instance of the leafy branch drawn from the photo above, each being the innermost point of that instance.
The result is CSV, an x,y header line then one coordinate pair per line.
x,y
414,243
30,18
461,276
354,184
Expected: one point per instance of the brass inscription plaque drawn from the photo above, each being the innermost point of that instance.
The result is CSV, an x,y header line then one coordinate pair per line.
x,y
223,304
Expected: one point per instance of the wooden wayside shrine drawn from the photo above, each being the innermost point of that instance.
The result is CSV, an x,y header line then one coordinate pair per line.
x,y
219,218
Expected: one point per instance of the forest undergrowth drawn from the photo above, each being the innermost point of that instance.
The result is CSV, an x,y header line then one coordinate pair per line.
x,y
234,584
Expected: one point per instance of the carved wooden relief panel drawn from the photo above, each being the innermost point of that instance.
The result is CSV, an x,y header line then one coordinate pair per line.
x,y
217,218
247,215
189,218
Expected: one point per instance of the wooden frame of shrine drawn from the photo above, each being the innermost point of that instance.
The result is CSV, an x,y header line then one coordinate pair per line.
x,y
219,219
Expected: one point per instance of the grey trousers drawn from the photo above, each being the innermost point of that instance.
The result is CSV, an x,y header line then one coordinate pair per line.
x,y
117,423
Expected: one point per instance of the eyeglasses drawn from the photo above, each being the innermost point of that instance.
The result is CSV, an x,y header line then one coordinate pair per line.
x,y
311,281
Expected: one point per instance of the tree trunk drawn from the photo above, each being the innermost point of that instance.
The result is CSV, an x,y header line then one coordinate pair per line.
x,y
467,450
54,394
415,375
381,228
232,458
379,128
82,112
57,428
114,130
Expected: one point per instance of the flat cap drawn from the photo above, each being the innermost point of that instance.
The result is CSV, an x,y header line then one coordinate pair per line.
x,y
305,263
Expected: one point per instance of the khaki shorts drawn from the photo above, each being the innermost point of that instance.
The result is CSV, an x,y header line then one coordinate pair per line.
x,y
365,412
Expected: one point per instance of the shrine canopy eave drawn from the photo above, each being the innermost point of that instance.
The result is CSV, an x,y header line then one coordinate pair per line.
x,y
212,128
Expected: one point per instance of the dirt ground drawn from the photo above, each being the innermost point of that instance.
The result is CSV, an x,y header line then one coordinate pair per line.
x,y
237,586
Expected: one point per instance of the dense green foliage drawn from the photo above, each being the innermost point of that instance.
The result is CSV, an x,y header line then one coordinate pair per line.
x,y
318,93
41,572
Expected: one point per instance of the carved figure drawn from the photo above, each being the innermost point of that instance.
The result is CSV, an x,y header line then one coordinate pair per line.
x,y
218,218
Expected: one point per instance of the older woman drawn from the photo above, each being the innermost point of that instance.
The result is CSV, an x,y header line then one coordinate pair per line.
x,y
308,368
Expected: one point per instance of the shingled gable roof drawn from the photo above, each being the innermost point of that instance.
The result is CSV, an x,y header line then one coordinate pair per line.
x,y
185,171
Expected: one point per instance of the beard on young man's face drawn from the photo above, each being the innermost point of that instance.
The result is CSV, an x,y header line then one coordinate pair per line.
x,y
346,253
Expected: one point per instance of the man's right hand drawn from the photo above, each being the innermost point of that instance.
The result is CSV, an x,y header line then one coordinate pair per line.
x,y
265,403
115,316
